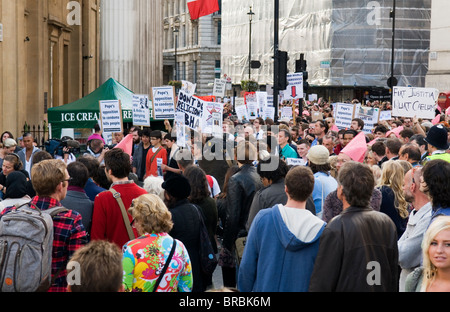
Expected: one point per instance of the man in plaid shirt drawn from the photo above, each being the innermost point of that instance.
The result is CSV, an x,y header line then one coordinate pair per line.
x,y
50,180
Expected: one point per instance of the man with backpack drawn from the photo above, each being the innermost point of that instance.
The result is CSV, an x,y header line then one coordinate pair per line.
x,y
57,234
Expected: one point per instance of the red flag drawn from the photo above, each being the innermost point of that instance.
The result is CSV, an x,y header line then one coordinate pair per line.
x,y
126,144
199,8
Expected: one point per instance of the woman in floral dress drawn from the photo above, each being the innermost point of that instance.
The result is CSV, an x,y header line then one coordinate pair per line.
x,y
144,258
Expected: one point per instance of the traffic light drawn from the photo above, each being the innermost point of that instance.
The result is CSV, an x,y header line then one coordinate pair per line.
x,y
300,67
281,69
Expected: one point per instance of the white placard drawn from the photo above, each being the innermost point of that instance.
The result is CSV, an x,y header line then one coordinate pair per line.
x,y
180,129
188,87
411,102
219,87
163,103
212,118
286,112
294,90
369,115
111,116
295,162
269,112
242,113
141,110
344,113
385,115
192,108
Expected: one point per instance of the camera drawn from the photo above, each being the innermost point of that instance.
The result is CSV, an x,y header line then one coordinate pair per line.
x,y
58,147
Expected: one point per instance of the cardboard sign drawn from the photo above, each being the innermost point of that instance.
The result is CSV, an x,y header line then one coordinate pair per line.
x,y
411,102
111,116
163,103
192,108
141,110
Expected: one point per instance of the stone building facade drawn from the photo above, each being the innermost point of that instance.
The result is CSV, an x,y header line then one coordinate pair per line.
x,y
49,56
195,47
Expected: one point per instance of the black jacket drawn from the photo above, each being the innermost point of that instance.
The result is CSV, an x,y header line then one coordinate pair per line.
x,y
242,187
186,225
357,253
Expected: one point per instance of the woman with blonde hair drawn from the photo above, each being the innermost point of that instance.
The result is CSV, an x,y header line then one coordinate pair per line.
x,y
434,275
393,201
146,260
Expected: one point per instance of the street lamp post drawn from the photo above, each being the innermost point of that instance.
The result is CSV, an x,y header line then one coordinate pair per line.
x,y
250,16
175,31
392,80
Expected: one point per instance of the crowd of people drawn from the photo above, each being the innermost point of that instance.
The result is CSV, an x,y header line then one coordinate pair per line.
x,y
287,205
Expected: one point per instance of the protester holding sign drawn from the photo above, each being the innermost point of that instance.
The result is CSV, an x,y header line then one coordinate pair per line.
x,y
156,156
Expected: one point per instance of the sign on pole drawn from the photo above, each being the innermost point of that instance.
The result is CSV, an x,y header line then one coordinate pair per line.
x,y
111,116
411,102
141,110
163,99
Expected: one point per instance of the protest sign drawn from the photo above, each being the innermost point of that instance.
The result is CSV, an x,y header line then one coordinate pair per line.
x,y
294,90
411,102
369,115
180,129
385,115
344,113
261,98
219,87
141,110
252,105
212,118
192,108
286,112
111,116
269,113
163,103
188,87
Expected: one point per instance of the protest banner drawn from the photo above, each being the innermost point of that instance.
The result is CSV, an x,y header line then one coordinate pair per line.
x,y
219,87
411,102
141,110
192,108
111,116
212,118
163,99
344,113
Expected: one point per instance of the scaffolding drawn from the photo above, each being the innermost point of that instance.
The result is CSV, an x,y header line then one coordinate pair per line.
x,y
345,42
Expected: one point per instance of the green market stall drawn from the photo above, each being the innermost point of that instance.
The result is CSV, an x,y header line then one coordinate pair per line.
x,y
85,112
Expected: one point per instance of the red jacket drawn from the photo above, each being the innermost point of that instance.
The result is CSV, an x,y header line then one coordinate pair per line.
x,y
107,220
